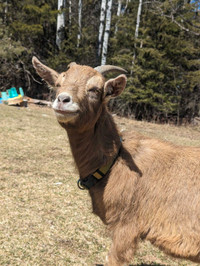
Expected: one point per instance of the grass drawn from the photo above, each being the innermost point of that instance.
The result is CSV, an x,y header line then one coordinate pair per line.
x,y
45,219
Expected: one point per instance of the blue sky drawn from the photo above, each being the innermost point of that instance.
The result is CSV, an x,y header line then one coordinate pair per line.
x,y
197,2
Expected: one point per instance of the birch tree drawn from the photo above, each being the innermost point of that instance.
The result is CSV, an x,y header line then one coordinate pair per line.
x,y
101,25
106,33
60,22
127,1
5,11
136,32
70,13
79,22
138,19
119,7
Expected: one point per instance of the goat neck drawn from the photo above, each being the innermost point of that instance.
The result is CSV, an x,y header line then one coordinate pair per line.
x,y
95,146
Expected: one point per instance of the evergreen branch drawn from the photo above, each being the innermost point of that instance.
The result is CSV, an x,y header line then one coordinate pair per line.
x,y
171,16
181,26
189,22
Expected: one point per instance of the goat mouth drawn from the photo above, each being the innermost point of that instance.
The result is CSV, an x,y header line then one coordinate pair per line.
x,y
65,113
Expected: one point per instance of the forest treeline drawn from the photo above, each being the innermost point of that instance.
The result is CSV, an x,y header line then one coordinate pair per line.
x,y
156,41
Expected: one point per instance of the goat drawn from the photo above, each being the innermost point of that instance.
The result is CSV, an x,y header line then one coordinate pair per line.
x,y
141,188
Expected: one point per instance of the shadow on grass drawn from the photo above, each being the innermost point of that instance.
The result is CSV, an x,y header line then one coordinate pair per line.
x,y
141,264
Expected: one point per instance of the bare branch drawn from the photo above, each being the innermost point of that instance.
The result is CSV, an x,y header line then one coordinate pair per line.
x,y
173,11
29,74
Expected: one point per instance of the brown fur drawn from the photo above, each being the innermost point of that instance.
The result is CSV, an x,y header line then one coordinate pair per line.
x,y
153,190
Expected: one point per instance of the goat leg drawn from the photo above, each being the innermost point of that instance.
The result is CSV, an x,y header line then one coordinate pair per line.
x,y
123,247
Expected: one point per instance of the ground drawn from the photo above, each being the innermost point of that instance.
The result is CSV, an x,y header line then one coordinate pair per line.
x,y
45,219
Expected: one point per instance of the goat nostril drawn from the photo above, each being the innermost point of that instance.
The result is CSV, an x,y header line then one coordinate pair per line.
x,y
64,98
67,99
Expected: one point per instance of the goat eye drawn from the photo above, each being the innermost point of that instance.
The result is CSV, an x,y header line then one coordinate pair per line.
x,y
93,93
93,89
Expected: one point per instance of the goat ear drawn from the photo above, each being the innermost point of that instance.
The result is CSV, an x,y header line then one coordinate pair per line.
x,y
49,75
114,87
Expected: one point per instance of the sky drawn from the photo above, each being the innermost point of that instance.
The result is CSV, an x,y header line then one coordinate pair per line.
x,y
197,2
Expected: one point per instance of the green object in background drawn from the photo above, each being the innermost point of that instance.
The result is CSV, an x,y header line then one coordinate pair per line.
x,y
4,96
21,91
13,92
9,93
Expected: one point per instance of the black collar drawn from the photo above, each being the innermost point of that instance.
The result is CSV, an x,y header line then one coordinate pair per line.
x,y
92,179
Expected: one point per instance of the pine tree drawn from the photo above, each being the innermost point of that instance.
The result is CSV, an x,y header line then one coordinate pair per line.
x,y
27,30
165,80
166,69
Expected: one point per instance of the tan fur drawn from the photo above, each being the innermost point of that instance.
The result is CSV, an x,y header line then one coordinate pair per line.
x,y
153,190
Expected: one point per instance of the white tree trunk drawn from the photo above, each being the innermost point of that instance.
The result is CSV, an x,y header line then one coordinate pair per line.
x,y
136,32
79,22
101,25
119,7
127,1
70,14
106,33
5,11
60,23
138,19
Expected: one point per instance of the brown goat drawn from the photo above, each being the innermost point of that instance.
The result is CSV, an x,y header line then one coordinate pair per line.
x,y
152,188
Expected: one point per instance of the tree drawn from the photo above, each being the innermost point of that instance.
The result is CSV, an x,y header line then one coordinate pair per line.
x,y
27,29
166,68
60,22
106,33
70,13
79,22
101,26
136,32
164,38
119,7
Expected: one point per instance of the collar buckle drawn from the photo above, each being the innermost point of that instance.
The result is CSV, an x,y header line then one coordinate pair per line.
x,y
80,185
87,182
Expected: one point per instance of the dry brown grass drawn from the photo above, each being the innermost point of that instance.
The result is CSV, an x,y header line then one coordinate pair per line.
x,y
45,219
